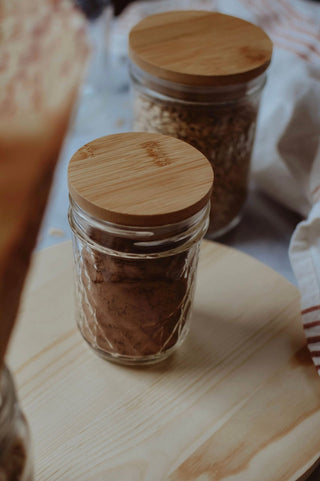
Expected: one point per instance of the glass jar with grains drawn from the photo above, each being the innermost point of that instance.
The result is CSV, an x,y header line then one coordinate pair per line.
x,y
198,76
139,207
15,451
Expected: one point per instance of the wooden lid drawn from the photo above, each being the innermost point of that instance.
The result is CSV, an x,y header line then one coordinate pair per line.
x,y
199,48
140,179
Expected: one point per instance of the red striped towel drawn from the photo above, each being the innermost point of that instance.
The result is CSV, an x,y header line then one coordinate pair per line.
x,y
288,139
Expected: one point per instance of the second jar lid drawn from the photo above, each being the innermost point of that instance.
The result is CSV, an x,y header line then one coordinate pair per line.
x,y
200,48
140,179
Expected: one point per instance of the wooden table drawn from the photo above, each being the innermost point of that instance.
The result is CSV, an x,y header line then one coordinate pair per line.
x,y
240,401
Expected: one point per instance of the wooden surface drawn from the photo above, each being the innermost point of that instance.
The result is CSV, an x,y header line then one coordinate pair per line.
x,y
140,179
240,401
38,85
199,48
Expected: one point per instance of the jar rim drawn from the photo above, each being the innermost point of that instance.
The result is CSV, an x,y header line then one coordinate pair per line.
x,y
8,399
147,241
197,94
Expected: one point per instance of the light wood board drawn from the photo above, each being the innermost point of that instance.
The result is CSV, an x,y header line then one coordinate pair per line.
x,y
240,401
38,88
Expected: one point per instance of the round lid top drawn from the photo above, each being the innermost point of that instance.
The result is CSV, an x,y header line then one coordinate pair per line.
x,y
140,179
199,48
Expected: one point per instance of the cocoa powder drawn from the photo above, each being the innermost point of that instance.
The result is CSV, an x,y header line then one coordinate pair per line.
x,y
133,307
13,461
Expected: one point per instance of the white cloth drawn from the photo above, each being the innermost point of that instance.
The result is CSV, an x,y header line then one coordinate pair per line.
x,y
286,157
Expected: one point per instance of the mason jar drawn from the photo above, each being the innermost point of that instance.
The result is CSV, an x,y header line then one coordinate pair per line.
x,y
136,241
201,81
15,447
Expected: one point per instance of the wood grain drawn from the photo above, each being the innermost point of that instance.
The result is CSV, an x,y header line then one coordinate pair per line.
x,y
199,48
38,87
140,179
240,400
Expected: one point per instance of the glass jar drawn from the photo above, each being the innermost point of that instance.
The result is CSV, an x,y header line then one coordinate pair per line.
x,y
15,450
99,34
134,287
95,90
215,113
135,283
219,121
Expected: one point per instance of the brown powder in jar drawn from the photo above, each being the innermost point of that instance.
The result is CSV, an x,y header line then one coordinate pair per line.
x,y
134,306
223,132
13,461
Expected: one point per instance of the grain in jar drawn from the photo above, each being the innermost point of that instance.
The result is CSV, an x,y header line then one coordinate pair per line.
x,y
198,76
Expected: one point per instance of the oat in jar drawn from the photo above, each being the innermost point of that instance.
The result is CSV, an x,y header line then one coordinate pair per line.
x,y
198,76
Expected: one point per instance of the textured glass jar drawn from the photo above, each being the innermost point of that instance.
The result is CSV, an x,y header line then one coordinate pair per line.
x,y
219,121
15,449
135,286
137,218
198,76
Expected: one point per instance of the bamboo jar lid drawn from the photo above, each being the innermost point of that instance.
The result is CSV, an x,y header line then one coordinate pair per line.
x,y
140,179
200,48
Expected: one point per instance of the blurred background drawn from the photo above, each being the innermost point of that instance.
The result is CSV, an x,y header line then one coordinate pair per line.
x,y
104,107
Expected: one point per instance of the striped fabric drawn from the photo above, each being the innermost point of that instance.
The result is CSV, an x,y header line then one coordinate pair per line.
x,y
289,27
295,27
305,260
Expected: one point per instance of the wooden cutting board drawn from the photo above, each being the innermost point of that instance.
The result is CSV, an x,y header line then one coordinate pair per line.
x,y
240,401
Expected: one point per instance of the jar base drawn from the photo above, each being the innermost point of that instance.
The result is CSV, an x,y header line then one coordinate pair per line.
x,y
135,360
212,235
